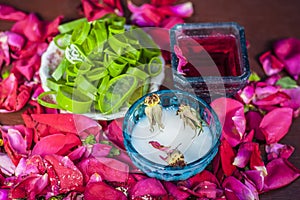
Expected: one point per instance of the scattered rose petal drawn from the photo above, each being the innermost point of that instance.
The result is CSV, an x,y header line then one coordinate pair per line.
x,y
155,15
10,13
148,187
175,192
180,10
288,51
66,173
100,190
256,177
243,155
6,166
280,173
169,22
274,129
162,2
115,132
277,150
94,9
235,189
253,120
77,153
4,193
247,94
15,41
12,97
294,101
270,63
109,169
100,150
256,162
227,158
56,144
232,119
30,186
4,49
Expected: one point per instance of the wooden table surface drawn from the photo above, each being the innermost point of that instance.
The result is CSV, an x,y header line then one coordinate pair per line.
x,y
264,22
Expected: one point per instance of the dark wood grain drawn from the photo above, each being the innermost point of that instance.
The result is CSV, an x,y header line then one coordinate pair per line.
x,y
264,22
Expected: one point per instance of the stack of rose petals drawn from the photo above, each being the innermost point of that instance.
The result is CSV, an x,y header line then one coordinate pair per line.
x,y
67,156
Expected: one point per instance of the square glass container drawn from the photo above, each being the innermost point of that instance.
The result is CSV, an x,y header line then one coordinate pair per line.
x,y
215,58
151,151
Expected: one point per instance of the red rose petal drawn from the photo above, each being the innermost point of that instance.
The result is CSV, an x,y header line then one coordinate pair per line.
x,y
94,10
274,129
227,158
115,132
162,2
100,190
67,174
29,187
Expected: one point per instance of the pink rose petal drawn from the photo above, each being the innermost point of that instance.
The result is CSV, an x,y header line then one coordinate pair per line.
x,y
182,61
277,150
175,192
4,49
180,10
280,173
169,22
6,165
243,155
273,128
288,51
247,94
256,177
235,188
294,101
4,193
10,13
232,119
270,63
30,187
56,144
149,186
253,120
109,169
15,41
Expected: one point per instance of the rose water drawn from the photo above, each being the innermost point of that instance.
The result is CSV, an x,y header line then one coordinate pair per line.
x,y
174,135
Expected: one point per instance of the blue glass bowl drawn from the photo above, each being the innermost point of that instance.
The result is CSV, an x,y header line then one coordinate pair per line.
x,y
171,99
218,74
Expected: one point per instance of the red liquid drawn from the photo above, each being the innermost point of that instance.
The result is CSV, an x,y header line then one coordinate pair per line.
x,y
210,56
